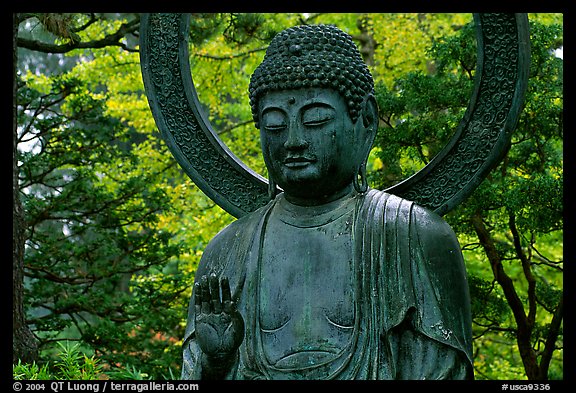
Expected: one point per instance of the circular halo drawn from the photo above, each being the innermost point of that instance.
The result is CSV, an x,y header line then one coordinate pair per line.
x,y
479,143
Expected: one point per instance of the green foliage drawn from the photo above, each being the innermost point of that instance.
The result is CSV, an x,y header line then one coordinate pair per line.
x,y
419,117
488,303
72,364
96,256
128,373
33,371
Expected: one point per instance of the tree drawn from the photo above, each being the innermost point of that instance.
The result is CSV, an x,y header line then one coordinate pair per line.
x,y
95,253
24,345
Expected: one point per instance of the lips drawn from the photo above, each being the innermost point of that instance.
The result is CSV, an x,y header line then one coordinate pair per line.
x,y
298,162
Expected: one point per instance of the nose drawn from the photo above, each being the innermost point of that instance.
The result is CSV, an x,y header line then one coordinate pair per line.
x,y
295,138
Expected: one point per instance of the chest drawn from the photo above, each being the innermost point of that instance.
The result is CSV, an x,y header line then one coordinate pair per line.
x,y
307,275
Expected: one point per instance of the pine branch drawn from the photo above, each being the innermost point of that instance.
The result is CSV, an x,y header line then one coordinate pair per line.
x,y
113,39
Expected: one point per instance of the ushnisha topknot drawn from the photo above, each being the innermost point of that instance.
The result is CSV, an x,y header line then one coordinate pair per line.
x,y
313,56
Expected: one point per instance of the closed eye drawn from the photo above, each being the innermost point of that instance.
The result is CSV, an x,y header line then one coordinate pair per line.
x,y
275,127
273,120
318,115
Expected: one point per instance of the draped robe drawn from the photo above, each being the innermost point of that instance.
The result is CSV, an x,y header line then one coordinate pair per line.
x,y
412,318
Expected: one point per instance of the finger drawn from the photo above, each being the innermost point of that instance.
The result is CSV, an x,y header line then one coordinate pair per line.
x,y
205,291
215,294
226,295
197,298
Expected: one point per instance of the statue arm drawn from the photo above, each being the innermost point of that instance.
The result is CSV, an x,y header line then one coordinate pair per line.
x,y
219,326
215,328
210,350
439,339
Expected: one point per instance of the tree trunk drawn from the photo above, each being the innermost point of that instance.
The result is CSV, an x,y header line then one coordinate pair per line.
x,y
24,344
523,326
366,39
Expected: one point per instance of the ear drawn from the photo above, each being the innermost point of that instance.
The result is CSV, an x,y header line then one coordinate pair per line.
x,y
370,120
370,113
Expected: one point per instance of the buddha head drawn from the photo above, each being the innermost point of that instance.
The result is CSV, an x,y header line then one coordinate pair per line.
x,y
312,98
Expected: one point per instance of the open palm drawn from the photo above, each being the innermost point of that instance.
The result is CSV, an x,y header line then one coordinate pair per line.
x,y
219,325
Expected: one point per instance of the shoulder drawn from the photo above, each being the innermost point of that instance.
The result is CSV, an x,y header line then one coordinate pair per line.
x,y
403,209
426,228
439,245
227,246
237,231
430,226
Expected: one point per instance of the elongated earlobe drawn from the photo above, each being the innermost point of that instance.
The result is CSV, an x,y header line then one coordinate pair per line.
x,y
360,181
370,124
272,190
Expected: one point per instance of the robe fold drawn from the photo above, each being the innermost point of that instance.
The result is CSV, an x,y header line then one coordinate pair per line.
x,y
412,306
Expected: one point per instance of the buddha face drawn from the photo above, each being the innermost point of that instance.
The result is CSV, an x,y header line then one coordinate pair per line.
x,y
310,145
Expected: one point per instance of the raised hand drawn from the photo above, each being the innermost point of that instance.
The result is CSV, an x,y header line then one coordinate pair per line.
x,y
219,325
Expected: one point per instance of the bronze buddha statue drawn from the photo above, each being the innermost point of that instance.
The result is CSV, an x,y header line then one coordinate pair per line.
x,y
331,279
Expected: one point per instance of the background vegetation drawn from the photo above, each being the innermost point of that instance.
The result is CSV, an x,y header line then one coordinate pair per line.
x,y
107,231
